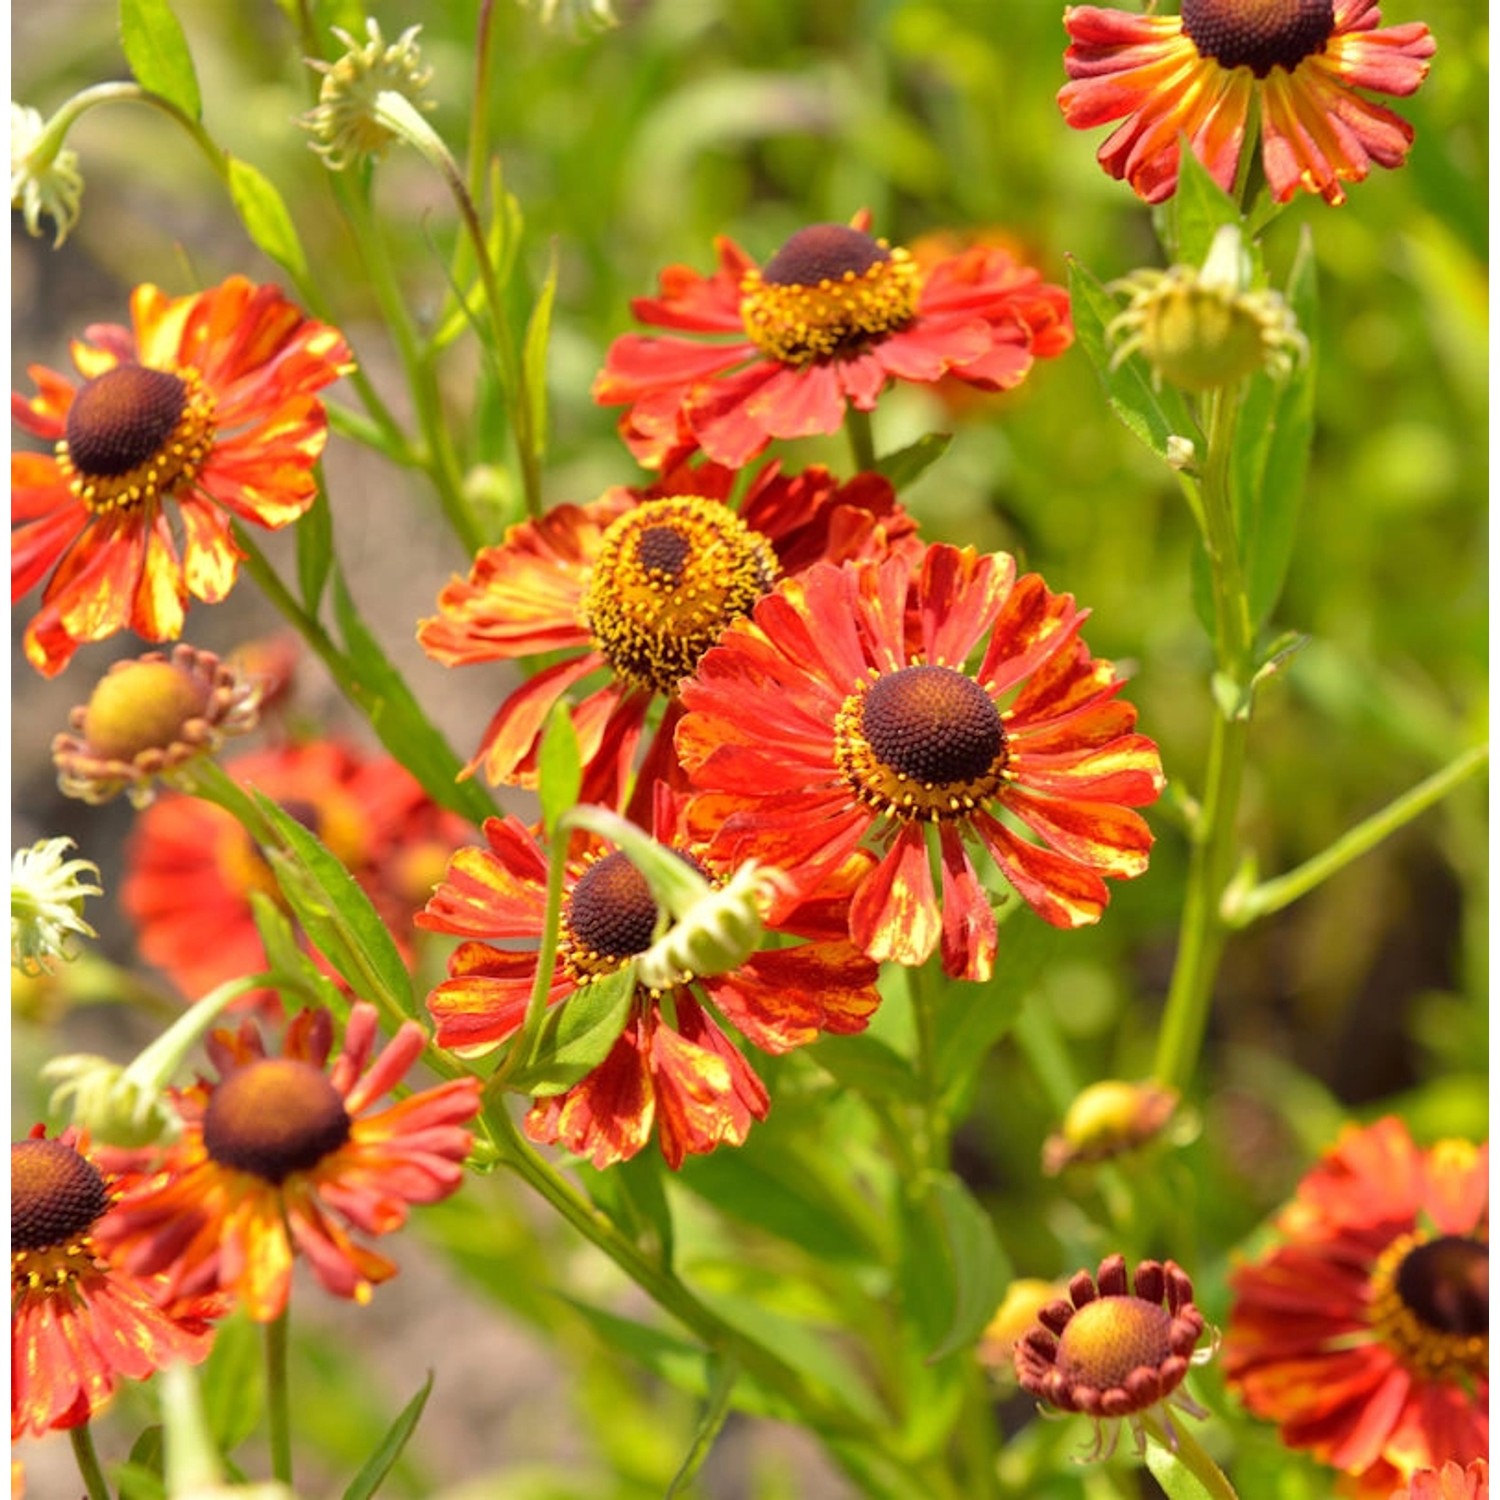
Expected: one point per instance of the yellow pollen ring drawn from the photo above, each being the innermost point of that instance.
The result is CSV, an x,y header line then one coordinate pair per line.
x,y
798,324
1431,1352
53,1270
173,466
886,790
653,625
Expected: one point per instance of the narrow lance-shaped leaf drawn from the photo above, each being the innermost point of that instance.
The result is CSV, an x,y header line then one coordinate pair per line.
x,y
314,552
157,51
1195,212
1268,502
1152,415
380,1463
395,715
534,359
576,1035
723,1371
265,217
336,914
559,767
979,1267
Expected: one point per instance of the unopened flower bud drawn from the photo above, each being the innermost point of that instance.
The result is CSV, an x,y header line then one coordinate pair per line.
x,y
1202,328
1108,1119
106,1101
44,176
346,124
46,903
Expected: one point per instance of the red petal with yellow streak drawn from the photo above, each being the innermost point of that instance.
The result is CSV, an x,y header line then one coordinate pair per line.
x,y
894,913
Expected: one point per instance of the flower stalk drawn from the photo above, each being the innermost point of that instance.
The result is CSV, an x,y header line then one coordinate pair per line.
x,y
87,1458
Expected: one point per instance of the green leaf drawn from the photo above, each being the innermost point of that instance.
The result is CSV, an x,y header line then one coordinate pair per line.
x,y
381,692
782,1189
157,51
265,216
866,1065
906,465
140,1476
1196,211
291,966
534,358
232,1383
1276,428
314,552
978,1264
559,767
722,1372
383,1459
335,913
1152,415
633,1194
1176,1479
971,1018
577,1035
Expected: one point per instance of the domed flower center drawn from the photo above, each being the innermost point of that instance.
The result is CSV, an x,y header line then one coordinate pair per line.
x,y
55,1195
829,290
142,706
611,916
921,742
275,1117
669,576
1258,34
132,435
1431,1303
1108,1339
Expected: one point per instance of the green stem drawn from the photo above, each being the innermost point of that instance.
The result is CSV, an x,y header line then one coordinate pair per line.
x,y
278,1398
1190,1454
87,1458
861,439
397,112
1271,895
1203,930
440,463
660,1284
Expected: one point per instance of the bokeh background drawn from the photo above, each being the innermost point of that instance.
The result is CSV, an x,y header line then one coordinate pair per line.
x,y
632,148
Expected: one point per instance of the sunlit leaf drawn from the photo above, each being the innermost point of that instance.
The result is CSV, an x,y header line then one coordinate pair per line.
x,y
158,54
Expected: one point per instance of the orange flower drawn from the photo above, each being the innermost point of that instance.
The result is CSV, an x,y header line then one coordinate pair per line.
x,y
673,1067
829,321
282,1153
843,713
636,586
191,867
207,401
1449,1483
78,1323
1197,74
1364,1334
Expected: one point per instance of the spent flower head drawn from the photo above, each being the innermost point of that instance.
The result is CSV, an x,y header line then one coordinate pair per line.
x,y
44,176
346,123
46,903
574,15
1113,1355
1201,328
148,719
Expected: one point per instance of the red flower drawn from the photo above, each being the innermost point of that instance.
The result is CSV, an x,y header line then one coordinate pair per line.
x,y
1300,61
282,1153
191,866
843,714
78,1323
830,320
672,1068
208,401
634,588
1364,1334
